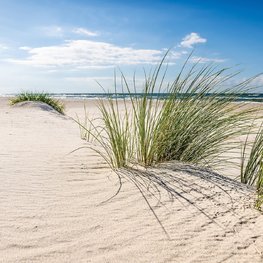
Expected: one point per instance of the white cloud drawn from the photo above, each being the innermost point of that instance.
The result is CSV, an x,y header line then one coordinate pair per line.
x,y
196,59
193,38
100,78
86,53
88,79
3,47
81,54
85,32
25,48
97,82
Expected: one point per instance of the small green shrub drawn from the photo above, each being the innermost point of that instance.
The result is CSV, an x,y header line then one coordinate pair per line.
x,y
42,97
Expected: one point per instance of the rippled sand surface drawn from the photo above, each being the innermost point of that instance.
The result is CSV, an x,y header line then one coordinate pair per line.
x,y
53,209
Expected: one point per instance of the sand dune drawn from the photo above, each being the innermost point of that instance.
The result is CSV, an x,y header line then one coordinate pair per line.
x,y
53,205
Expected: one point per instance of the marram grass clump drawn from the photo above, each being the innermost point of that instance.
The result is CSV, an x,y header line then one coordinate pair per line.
x,y
41,97
252,164
194,124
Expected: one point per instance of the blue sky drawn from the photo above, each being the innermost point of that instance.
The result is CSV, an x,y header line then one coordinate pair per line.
x,y
64,46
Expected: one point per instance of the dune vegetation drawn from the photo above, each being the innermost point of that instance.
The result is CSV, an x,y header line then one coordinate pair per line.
x,y
252,165
194,124
41,97
197,123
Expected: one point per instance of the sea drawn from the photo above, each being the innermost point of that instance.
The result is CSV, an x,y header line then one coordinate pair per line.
x,y
249,97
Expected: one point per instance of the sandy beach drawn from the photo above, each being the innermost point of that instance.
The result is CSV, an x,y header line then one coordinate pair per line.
x,y
53,208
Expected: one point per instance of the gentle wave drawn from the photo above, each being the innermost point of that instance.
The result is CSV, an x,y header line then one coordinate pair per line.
x,y
254,97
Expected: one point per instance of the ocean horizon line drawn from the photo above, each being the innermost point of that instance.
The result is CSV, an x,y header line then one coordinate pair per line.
x,y
256,97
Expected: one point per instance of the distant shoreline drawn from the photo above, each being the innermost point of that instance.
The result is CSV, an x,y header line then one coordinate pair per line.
x,y
249,97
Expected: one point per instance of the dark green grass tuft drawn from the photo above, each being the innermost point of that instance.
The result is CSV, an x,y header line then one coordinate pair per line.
x,y
42,97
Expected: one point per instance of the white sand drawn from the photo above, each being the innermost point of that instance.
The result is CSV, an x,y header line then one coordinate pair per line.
x,y
51,211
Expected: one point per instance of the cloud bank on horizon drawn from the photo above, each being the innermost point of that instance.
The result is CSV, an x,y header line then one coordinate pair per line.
x,y
86,53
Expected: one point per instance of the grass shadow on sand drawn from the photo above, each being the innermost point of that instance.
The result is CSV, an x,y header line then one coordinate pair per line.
x,y
191,186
